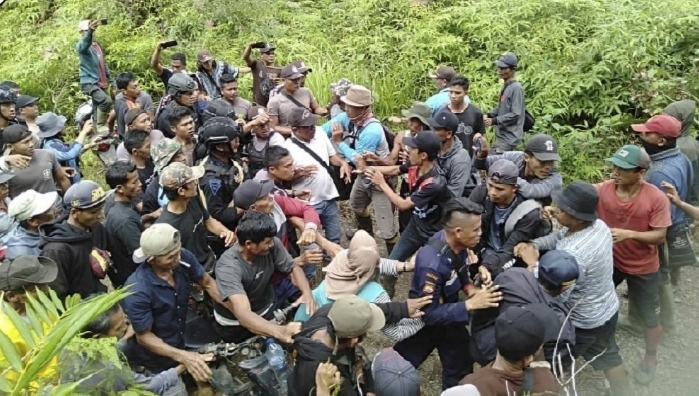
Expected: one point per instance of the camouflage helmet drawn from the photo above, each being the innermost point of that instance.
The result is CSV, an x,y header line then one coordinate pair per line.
x,y
163,152
176,175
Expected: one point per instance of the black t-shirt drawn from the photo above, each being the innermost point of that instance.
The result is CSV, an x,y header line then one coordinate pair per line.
x,y
145,173
428,192
470,123
165,76
124,228
191,225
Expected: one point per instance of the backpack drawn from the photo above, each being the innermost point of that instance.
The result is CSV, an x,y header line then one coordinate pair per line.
x,y
522,210
387,132
529,120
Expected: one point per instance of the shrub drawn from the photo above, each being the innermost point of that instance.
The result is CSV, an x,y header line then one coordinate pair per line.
x,y
589,67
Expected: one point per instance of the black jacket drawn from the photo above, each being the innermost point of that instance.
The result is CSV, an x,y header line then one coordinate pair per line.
x,y
70,247
219,181
527,229
311,353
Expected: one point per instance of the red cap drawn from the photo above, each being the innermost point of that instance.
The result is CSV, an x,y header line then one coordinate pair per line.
x,y
661,124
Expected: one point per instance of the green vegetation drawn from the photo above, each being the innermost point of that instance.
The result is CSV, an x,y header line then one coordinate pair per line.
x,y
49,327
590,67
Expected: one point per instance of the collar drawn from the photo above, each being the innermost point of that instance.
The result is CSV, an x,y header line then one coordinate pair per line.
x,y
665,154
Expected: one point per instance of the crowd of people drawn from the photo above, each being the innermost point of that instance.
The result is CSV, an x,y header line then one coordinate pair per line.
x,y
240,199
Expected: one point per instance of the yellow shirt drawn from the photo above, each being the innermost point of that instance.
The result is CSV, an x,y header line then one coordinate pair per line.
x,y
6,326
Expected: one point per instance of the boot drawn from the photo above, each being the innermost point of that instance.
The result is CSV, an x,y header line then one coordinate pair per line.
x,y
101,129
631,323
667,309
620,386
363,223
390,243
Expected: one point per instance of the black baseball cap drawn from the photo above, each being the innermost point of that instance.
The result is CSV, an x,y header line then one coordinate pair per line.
x,y
26,270
425,141
444,119
250,191
291,72
503,171
544,147
15,133
24,101
302,118
85,194
267,48
519,333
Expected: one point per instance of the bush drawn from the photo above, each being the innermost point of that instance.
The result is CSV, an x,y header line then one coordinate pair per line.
x,y
590,67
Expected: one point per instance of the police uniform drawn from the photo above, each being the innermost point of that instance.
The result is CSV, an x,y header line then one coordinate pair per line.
x,y
441,273
219,181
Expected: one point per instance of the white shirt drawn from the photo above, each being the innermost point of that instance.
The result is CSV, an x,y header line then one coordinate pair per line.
x,y
321,184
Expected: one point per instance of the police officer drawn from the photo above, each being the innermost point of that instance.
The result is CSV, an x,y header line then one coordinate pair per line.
x,y
218,145
8,100
441,271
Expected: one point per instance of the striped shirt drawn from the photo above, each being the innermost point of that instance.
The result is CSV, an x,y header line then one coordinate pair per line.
x,y
592,300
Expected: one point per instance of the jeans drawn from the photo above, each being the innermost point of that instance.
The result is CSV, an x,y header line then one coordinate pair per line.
x,y
329,214
100,98
409,243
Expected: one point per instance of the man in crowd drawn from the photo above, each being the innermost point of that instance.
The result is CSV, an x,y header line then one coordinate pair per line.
x,y
441,272
181,91
30,210
222,173
185,212
292,96
123,225
243,276
41,173
183,127
593,302
428,193
507,118
265,73
8,112
130,96
138,119
210,70
334,333
639,216
453,159
556,272
667,164
229,93
538,176
95,77
178,64
442,76
78,243
508,218
27,111
262,138
469,115
519,334
684,111
157,305
137,142
311,150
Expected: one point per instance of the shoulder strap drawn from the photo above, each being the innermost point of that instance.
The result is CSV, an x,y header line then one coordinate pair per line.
x,y
312,154
528,382
293,100
518,213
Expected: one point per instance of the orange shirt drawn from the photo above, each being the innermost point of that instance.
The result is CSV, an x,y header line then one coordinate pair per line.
x,y
648,210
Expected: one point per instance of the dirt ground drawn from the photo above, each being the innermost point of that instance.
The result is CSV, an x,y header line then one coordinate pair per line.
x,y
678,369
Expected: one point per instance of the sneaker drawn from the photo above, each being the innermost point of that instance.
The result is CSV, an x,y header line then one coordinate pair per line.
x,y
645,374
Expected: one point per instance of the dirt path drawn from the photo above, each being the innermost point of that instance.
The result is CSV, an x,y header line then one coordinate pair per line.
x,y
678,370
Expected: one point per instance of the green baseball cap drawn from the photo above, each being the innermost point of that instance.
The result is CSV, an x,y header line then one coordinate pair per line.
x,y
630,157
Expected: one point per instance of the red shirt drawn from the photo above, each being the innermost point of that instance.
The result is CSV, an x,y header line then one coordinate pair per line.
x,y
648,210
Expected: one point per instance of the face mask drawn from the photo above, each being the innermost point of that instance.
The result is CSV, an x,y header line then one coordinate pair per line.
x,y
652,149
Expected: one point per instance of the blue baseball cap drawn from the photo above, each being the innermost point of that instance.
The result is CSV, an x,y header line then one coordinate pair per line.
x,y
558,268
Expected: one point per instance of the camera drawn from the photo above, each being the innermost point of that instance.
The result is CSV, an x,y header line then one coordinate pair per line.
x,y
259,44
168,44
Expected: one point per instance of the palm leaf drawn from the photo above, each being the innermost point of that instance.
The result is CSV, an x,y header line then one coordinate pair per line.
x,y
20,325
10,352
36,325
39,308
5,385
58,332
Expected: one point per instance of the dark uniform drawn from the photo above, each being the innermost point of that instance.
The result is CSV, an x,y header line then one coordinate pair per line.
x,y
441,273
221,177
